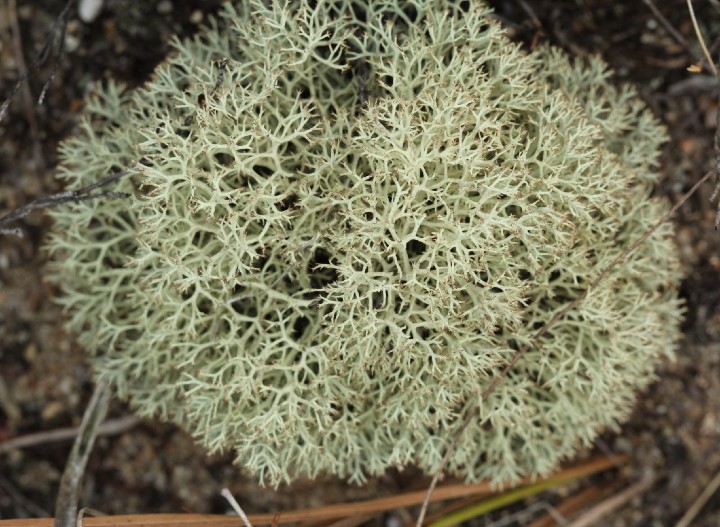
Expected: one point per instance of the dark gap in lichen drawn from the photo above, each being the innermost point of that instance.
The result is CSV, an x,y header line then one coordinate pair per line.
x,y
320,275
263,171
224,159
288,202
299,326
415,248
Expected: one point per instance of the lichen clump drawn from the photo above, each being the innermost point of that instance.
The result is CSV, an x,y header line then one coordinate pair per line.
x,y
346,218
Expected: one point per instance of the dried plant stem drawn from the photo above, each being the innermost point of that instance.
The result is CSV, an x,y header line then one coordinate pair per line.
x,y
544,329
67,499
47,202
353,521
225,493
109,427
502,500
602,509
317,514
669,28
59,26
569,506
701,39
25,87
699,502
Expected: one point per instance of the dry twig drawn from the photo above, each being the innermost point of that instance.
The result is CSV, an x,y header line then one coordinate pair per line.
x,y
109,427
672,31
716,141
25,86
54,200
59,24
327,512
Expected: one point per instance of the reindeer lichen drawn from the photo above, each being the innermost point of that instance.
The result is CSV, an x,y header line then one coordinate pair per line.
x,y
347,217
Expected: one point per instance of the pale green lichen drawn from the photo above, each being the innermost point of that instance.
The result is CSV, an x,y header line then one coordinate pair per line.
x,y
332,251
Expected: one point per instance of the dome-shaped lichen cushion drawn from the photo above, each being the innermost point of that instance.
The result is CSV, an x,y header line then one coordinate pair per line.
x,y
346,218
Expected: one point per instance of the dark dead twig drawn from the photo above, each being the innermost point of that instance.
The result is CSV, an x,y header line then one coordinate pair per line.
x,y
61,24
82,194
58,53
535,339
30,115
674,33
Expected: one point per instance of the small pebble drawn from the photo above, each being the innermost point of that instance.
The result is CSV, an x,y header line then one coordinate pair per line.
x,y
393,521
71,42
88,10
196,17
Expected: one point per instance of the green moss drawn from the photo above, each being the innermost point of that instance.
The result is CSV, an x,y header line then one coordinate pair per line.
x,y
333,251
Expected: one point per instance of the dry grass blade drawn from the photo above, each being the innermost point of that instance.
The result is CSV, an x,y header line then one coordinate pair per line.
x,y
700,38
236,506
716,145
353,521
569,506
452,507
505,499
486,505
601,510
700,502
328,512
